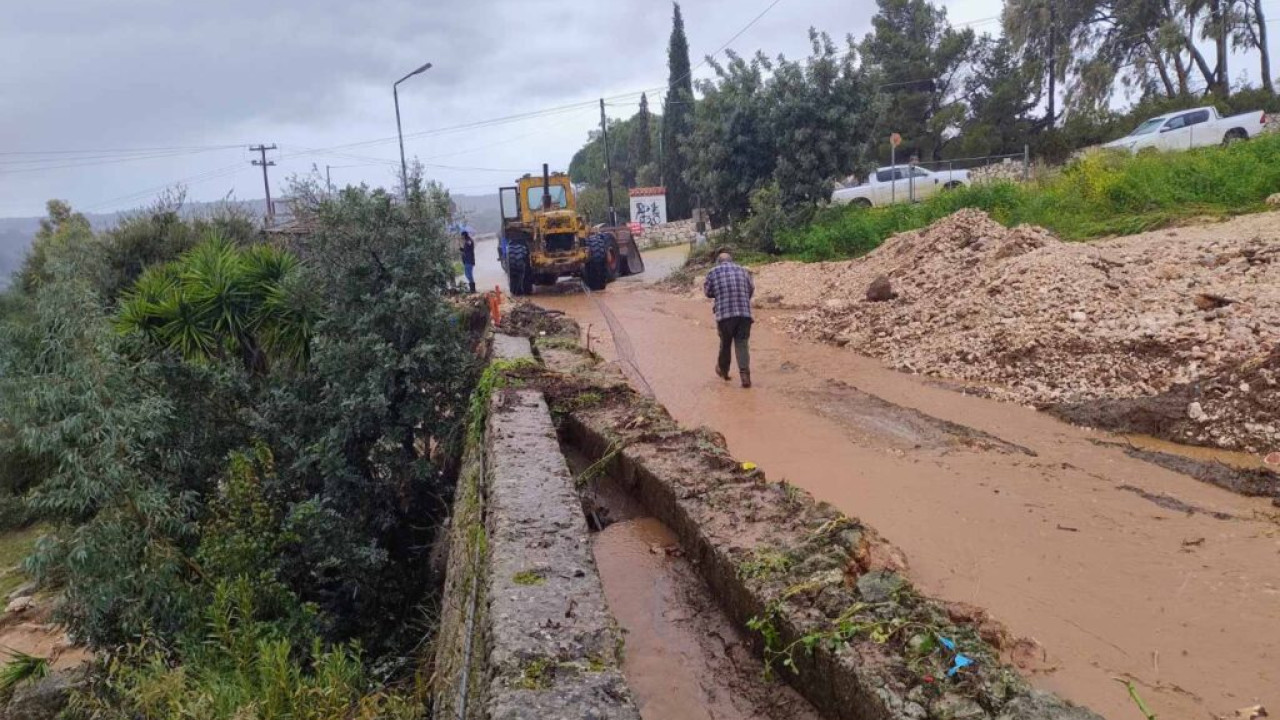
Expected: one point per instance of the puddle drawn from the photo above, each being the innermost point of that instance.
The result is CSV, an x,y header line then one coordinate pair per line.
x,y
1230,458
1239,472
683,658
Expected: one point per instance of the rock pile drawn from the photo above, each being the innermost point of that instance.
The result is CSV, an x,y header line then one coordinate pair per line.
x,y
1036,320
1273,123
1008,170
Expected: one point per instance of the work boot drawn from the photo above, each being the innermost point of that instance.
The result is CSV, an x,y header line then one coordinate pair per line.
x,y
746,378
722,374
473,287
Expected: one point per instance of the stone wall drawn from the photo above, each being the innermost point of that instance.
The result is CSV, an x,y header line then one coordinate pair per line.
x,y
673,233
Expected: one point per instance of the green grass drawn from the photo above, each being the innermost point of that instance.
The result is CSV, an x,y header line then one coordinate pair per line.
x,y
1100,195
21,668
15,546
528,577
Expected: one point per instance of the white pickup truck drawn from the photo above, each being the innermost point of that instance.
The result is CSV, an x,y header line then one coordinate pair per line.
x,y
899,184
1191,129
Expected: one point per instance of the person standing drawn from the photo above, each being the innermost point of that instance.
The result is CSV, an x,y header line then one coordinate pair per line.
x,y
730,286
469,259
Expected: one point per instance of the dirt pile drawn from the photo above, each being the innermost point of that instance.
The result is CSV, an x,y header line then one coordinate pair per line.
x,y
1039,321
526,319
1235,407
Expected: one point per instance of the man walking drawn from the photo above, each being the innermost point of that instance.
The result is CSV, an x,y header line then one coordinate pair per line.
x,y
469,259
730,285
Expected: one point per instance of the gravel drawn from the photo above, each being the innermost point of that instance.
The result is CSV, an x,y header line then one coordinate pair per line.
x,y
1039,321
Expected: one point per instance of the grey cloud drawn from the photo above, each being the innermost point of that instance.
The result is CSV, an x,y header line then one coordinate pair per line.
x,y
146,73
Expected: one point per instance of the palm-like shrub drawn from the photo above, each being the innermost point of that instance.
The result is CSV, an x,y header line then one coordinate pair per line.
x,y
223,301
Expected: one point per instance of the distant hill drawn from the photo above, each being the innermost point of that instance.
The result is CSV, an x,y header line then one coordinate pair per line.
x,y
479,211
16,235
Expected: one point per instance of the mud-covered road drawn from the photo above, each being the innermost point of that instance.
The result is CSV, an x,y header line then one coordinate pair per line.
x,y
1117,568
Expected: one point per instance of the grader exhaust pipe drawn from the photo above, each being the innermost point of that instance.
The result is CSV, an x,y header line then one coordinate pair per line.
x,y
546,187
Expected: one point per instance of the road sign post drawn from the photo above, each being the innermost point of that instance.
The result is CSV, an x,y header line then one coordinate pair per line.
x,y
894,141
911,177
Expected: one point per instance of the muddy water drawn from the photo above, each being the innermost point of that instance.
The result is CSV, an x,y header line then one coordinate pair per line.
x,y
1230,458
683,659
1057,545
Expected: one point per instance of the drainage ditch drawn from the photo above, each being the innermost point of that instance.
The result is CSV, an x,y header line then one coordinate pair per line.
x,y
683,658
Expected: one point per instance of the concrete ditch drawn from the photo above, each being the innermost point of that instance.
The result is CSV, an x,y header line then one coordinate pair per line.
x,y
819,595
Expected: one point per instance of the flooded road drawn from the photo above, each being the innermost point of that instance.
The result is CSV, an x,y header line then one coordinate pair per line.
x,y
1063,540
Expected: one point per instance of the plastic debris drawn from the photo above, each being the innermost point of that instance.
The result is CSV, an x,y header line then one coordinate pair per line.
x,y
961,660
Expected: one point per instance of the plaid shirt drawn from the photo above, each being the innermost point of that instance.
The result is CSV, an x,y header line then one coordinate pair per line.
x,y
731,286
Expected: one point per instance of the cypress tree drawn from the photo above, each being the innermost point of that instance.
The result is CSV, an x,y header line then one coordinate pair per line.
x,y
641,146
677,120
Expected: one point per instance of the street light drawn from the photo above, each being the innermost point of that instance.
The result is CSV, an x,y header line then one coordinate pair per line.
x,y
395,93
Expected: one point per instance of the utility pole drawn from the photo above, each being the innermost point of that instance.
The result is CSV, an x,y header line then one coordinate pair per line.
x,y
1053,63
608,170
328,181
266,184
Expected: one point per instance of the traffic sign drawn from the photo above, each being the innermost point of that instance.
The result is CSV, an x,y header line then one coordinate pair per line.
x,y
895,139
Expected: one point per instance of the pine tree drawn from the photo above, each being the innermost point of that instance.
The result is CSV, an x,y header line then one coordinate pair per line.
x,y
920,57
677,123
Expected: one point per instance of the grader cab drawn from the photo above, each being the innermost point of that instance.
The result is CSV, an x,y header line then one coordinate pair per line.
x,y
545,238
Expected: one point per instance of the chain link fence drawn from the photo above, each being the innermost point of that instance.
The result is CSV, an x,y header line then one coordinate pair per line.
x,y
912,180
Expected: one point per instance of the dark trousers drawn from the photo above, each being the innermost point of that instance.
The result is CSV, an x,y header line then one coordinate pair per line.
x,y
735,332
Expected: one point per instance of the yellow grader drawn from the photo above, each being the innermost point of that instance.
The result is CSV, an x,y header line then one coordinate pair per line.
x,y
544,238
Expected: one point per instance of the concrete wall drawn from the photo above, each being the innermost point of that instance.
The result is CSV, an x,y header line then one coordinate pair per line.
x,y
525,630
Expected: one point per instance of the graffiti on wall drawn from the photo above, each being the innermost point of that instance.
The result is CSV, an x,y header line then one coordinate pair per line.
x,y
649,207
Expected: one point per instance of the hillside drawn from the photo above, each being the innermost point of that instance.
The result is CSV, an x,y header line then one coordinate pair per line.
x,y
16,233
480,212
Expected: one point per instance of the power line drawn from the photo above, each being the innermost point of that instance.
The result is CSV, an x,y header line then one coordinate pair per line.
x,y
479,124
118,150
555,110
729,42
75,163
200,177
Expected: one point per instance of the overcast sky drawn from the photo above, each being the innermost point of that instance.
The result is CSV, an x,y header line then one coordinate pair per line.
x,y
194,84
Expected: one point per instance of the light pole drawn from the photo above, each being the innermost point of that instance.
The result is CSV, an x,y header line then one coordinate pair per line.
x,y
395,93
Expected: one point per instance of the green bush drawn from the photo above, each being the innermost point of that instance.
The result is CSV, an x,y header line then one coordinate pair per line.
x,y
310,491
242,668
1101,194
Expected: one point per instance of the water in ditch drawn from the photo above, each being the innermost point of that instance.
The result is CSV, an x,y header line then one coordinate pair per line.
x,y
683,658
